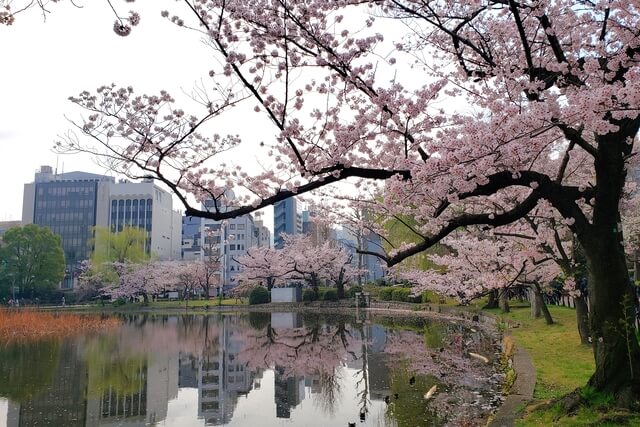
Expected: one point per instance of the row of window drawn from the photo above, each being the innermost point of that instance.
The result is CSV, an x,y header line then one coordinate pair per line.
x,y
60,189
64,204
136,213
51,218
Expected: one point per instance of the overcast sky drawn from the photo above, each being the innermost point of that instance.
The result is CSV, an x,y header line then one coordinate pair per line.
x,y
43,63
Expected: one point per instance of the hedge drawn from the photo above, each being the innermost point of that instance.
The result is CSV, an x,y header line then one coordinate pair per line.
x,y
259,295
400,294
330,295
308,295
385,294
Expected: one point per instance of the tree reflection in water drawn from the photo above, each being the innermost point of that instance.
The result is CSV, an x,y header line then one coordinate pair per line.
x,y
27,368
321,370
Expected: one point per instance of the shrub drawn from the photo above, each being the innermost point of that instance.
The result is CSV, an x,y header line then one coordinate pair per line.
x,y
430,296
385,294
352,291
259,295
119,302
330,295
400,294
308,295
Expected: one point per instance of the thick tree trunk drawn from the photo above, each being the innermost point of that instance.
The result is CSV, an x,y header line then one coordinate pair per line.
x,y
612,319
504,302
340,290
582,318
536,311
340,284
611,296
315,285
541,305
493,300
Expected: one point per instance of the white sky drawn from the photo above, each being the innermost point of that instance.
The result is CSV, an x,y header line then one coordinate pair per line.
x,y
43,63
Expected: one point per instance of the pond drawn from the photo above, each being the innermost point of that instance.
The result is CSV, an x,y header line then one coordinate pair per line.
x,y
255,369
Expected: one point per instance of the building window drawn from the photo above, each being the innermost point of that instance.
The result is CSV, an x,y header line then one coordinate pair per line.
x,y
240,226
232,227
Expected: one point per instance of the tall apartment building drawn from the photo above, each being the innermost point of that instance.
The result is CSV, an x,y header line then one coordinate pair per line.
x,y
287,219
261,232
72,204
319,232
223,240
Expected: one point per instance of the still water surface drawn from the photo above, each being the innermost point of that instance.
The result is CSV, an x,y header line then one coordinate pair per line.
x,y
254,369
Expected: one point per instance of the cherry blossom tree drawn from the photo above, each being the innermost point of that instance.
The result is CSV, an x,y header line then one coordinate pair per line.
x,y
202,276
263,265
540,86
143,280
9,9
310,263
298,260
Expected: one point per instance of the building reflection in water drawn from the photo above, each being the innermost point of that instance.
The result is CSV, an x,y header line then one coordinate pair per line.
x,y
101,387
66,390
217,374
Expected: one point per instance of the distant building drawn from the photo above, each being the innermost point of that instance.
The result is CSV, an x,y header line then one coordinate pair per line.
x,y
262,234
147,206
368,241
319,232
373,264
191,238
287,219
224,241
72,204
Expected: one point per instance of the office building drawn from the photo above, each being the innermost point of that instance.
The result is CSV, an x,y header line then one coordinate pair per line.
x,y
147,206
222,241
319,232
368,241
287,219
72,204
262,234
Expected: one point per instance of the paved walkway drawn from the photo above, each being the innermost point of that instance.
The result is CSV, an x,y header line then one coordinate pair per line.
x,y
521,392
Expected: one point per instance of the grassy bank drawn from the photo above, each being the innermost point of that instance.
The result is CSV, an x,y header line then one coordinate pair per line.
x,y
562,365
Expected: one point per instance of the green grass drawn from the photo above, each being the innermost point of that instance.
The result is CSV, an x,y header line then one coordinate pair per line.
x,y
584,417
562,365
